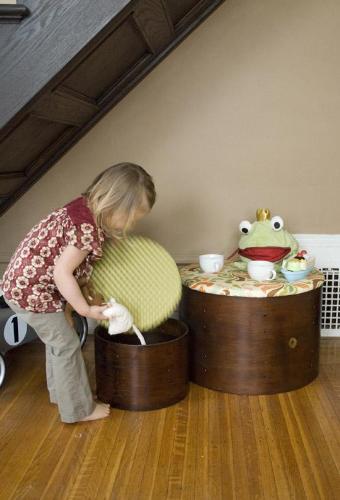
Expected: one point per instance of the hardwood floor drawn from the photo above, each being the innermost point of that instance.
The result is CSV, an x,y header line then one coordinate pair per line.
x,y
209,446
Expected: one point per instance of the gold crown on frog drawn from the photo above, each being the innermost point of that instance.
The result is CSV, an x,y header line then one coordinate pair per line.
x,y
262,214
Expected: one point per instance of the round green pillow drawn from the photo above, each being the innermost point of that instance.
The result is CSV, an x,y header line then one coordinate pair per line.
x,y
140,274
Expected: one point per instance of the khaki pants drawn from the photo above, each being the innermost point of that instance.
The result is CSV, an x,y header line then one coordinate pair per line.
x,y
66,374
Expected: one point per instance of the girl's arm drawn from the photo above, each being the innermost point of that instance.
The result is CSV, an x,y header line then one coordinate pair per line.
x,y
68,261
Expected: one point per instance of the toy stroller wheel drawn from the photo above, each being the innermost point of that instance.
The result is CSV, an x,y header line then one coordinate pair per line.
x,y
2,369
81,327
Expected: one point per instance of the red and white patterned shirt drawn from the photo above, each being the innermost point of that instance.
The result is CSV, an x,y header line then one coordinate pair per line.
x,y
28,280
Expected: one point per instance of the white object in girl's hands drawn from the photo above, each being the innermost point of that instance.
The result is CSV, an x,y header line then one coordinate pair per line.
x,y
211,262
119,317
120,320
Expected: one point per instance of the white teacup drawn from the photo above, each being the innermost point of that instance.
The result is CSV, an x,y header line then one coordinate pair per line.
x,y
261,270
211,262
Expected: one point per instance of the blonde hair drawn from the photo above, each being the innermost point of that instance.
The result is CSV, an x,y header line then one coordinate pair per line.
x,y
120,190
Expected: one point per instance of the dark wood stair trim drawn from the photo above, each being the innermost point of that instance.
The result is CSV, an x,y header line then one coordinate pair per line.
x,y
70,108
196,15
12,13
12,175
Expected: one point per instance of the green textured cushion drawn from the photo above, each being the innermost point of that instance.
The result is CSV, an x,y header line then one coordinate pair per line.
x,y
140,274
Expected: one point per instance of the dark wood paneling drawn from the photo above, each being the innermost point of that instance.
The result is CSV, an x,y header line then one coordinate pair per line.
x,y
179,8
8,184
113,58
65,107
68,65
184,13
56,34
154,21
37,168
27,142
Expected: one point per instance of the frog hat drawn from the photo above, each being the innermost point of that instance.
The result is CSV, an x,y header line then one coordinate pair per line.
x,y
266,239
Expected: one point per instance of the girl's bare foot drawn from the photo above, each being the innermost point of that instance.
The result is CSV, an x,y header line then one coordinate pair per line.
x,y
101,411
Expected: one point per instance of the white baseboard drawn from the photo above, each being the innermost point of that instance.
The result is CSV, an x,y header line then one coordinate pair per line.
x,y
329,333
325,248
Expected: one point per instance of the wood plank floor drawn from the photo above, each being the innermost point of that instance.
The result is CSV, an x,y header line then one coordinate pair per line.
x,y
210,446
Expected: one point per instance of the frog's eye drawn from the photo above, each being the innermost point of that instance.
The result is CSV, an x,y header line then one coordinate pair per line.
x,y
245,227
277,223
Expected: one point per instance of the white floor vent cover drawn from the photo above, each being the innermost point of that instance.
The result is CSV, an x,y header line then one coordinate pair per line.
x,y
326,249
330,302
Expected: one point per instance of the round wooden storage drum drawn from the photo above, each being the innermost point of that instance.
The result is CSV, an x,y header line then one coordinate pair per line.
x,y
135,377
251,345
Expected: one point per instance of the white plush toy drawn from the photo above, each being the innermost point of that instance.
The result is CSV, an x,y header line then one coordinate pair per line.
x,y
120,320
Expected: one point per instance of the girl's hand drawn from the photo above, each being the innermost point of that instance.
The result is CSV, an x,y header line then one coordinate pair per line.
x,y
96,312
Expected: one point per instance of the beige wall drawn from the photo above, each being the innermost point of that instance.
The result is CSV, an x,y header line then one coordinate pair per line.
x,y
244,113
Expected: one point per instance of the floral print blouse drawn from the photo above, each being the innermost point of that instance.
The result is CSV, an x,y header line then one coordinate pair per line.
x,y
28,280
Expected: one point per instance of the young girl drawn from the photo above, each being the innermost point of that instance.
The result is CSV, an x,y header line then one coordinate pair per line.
x,y
43,272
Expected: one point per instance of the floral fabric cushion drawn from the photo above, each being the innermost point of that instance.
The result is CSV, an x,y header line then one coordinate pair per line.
x,y
233,281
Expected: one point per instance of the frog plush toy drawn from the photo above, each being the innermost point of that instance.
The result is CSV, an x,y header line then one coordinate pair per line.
x,y
266,239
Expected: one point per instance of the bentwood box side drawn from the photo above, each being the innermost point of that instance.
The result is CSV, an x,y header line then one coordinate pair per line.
x,y
248,345
135,377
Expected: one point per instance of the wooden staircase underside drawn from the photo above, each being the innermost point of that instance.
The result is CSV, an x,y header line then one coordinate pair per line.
x,y
67,64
